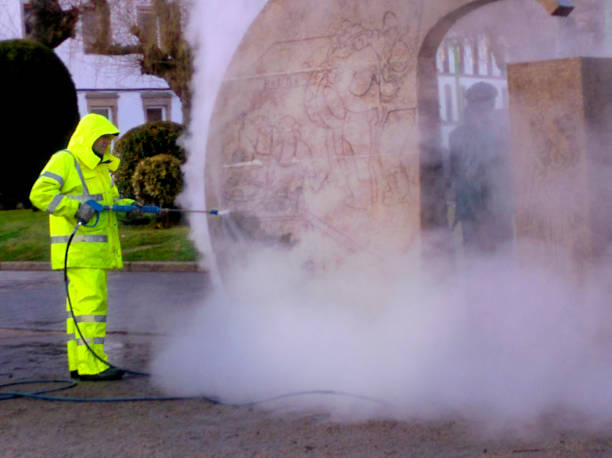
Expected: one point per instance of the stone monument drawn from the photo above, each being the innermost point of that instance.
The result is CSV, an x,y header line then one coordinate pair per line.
x,y
326,129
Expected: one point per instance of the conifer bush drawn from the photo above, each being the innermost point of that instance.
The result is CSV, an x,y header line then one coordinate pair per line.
x,y
157,180
39,114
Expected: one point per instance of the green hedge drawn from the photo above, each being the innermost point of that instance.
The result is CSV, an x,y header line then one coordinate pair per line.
x,y
157,180
142,142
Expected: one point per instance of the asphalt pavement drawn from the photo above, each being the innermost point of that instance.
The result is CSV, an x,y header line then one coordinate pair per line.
x,y
139,302
144,309
143,306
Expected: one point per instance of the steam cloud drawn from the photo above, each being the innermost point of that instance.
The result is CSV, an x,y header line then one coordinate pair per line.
x,y
492,341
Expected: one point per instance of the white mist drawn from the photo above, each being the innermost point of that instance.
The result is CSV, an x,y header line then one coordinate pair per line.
x,y
499,343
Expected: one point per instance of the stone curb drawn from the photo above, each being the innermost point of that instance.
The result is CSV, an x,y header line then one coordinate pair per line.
x,y
140,266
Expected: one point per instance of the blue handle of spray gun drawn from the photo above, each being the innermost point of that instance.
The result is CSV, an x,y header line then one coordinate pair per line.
x,y
117,208
128,208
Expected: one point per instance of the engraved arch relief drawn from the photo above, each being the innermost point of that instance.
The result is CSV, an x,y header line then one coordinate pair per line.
x,y
325,124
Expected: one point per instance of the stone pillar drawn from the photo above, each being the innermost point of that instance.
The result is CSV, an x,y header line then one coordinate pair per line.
x,y
562,157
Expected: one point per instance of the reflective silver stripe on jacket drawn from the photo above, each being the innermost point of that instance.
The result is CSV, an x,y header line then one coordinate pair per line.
x,y
54,203
80,172
79,238
53,176
80,198
89,318
86,196
94,341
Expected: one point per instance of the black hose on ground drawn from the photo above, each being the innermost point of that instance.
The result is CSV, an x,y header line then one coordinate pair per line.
x,y
43,395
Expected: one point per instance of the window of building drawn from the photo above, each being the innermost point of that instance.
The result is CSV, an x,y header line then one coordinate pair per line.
x,y
469,57
156,105
448,62
495,70
459,51
448,102
147,24
153,114
26,18
475,56
461,103
483,56
104,103
96,26
440,60
443,58
104,111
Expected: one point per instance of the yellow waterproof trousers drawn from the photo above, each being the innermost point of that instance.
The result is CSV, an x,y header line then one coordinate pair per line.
x,y
88,294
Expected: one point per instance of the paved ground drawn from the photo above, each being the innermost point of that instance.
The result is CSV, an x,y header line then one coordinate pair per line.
x,y
137,300
32,347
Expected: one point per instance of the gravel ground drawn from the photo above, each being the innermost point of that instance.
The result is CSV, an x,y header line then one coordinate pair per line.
x,y
197,427
32,348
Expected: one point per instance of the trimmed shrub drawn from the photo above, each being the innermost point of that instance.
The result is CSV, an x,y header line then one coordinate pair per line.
x,y
39,114
157,180
145,141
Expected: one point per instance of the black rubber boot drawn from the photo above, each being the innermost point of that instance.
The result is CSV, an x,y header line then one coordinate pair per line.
x,y
74,375
112,373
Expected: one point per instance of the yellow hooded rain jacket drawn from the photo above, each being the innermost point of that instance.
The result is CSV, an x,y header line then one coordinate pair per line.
x,y
75,175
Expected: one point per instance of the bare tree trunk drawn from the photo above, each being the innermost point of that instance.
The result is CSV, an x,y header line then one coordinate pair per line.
x,y
166,54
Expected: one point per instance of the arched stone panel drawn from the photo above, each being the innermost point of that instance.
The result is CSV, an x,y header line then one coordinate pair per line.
x,y
323,134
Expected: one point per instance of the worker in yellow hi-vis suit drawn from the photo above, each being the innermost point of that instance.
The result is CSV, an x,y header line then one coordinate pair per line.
x,y
73,176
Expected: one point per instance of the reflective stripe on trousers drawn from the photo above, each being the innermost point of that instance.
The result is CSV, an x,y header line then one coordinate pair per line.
x,y
88,294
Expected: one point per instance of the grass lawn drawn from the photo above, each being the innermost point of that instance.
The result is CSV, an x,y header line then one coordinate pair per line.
x,y
24,236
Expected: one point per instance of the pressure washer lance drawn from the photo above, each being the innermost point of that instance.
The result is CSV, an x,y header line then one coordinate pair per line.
x,y
150,209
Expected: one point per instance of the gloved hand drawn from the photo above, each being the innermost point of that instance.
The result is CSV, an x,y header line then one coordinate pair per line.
x,y
136,212
86,211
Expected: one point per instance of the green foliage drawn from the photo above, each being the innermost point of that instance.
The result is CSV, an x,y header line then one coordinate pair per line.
x,y
39,113
152,243
142,142
24,236
157,180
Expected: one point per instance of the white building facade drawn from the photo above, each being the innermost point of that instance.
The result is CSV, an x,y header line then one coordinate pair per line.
x,y
108,85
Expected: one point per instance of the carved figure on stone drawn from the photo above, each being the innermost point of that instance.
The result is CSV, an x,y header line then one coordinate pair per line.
x,y
244,174
268,164
290,168
352,99
395,57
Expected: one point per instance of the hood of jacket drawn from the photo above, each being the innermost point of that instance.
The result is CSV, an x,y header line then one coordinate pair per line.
x,y
90,128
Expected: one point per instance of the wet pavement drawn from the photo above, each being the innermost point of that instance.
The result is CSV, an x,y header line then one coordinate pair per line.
x,y
142,307
139,302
